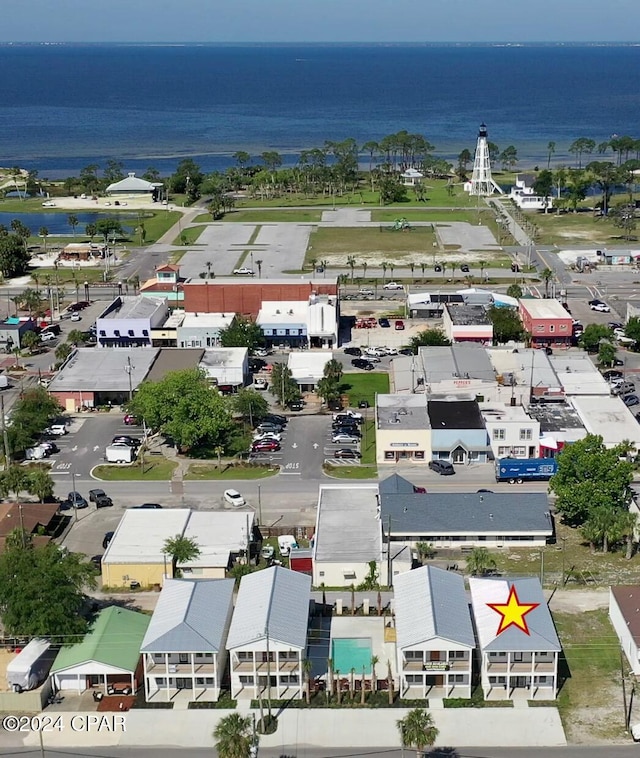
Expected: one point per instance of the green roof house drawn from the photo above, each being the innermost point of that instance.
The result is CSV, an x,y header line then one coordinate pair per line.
x,y
108,657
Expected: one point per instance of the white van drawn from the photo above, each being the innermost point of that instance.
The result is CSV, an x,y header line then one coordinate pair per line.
x,y
287,543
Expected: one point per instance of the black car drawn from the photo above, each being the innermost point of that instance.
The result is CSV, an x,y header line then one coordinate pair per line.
x,y
126,440
347,453
108,536
335,405
437,268
148,506
276,419
384,323
618,362
100,498
256,364
96,561
406,351
361,363
444,468
613,374
352,431
353,351
464,268
363,404
296,405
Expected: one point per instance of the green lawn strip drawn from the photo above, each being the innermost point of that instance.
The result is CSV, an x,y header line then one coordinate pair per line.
x,y
364,386
435,215
157,223
66,275
211,471
277,215
592,661
154,470
189,236
352,472
245,253
325,242
368,446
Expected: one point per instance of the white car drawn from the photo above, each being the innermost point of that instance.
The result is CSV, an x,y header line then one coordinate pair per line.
x,y
262,352
243,272
234,498
617,333
268,436
260,384
56,430
75,316
391,350
393,286
600,307
47,336
376,352
344,439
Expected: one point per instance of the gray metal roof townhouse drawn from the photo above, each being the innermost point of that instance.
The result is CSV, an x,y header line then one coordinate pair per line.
x,y
519,646
184,649
434,634
267,640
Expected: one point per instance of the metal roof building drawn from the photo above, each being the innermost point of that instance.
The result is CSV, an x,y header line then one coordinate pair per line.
x,y
131,184
542,632
190,616
453,519
430,602
272,606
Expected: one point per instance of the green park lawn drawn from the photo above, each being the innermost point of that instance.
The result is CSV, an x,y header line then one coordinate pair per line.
x,y
352,472
154,470
591,658
437,216
211,471
68,275
364,386
581,228
326,242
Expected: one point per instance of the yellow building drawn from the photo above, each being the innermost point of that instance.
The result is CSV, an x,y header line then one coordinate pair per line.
x,y
135,554
403,429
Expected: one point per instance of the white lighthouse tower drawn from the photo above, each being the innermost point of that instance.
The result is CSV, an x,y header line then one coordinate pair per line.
x,y
482,184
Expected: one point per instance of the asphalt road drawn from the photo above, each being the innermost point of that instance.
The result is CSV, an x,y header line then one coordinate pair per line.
x,y
290,751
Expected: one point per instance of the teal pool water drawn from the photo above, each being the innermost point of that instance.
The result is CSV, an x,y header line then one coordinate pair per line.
x,y
351,653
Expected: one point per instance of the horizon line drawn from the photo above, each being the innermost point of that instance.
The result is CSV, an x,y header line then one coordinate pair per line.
x,y
374,43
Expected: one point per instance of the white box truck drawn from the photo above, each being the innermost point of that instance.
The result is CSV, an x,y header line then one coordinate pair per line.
x,y
31,666
119,454
286,543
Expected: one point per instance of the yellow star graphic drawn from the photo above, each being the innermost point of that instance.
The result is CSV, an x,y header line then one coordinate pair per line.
x,y
513,612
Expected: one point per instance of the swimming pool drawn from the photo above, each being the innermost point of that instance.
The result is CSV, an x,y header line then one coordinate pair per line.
x,y
351,653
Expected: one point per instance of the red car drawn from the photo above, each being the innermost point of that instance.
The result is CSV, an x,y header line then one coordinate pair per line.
x,y
130,420
269,446
399,325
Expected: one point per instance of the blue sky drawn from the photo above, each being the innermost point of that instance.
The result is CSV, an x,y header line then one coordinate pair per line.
x,y
231,21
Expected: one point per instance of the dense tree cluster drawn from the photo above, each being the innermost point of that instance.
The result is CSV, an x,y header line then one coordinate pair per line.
x,y
593,491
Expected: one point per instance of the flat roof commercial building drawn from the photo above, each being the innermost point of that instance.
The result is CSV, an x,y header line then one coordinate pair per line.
x,y
608,417
202,329
97,376
129,321
467,323
547,322
403,429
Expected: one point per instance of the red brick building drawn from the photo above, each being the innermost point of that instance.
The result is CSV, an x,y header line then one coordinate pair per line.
x,y
246,297
547,322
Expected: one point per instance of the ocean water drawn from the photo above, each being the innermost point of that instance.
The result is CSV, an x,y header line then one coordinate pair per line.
x,y
64,107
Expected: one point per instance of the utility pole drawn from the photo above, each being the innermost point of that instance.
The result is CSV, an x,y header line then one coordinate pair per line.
x,y
389,577
129,368
259,507
5,436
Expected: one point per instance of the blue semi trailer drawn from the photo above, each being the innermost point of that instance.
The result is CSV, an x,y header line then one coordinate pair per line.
x,y
520,470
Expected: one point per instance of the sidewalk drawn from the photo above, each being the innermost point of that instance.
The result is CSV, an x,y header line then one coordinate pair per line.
x,y
330,728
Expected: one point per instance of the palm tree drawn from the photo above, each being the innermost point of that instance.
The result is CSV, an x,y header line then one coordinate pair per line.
x,y
551,148
627,527
412,266
385,266
482,265
423,266
374,661
307,667
352,588
208,264
313,262
390,680
391,267
351,262
338,687
547,276
480,561
219,450
181,549
234,736
417,730
364,269
73,222
443,268
352,675
259,265
330,677
44,233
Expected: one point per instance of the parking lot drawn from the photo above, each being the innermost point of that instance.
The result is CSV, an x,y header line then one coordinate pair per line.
x,y
302,446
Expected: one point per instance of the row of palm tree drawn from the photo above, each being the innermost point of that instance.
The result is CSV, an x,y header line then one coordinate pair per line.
x,y
235,738
390,266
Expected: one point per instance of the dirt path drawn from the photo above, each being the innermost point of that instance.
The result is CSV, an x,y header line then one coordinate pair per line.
x,y
577,601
